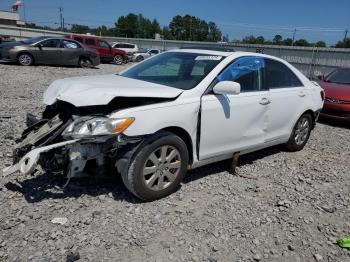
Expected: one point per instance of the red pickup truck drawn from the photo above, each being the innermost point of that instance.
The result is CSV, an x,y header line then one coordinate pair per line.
x,y
106,52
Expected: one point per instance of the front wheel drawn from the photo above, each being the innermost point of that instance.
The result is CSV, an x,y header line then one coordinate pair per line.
x,y
157,168
118,60
301,133
25,59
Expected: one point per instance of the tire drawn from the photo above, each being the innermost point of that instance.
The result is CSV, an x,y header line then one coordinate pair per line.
x,y
25,59
118,60
139,59
300,134
85,62
149,174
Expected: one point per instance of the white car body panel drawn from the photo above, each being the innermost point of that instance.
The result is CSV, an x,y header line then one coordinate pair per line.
x,y
232,123
245,126
100,90
127,50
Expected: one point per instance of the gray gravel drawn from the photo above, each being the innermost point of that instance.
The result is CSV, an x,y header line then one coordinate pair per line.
x,y
294,211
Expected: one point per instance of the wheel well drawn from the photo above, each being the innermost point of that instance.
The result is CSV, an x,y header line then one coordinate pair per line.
x,y
312,114
83,56
24,52
182,133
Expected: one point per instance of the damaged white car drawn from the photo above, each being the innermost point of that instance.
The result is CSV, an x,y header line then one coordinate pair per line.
x,y
176,111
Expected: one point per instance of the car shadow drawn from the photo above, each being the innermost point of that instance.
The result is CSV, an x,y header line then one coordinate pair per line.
x,y
334,122
226,165
50,186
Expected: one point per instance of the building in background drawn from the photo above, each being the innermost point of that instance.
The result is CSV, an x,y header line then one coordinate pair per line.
x,y
10,18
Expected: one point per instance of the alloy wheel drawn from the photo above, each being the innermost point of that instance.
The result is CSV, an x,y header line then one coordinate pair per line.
x,y
302,131
25,59
118,60
161,168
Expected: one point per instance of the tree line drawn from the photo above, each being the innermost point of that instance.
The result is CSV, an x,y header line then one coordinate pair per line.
x,y
187,28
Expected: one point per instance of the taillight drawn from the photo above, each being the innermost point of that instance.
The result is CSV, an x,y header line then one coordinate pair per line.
x,y
322,95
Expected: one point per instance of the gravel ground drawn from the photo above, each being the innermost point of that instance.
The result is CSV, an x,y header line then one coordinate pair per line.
x,y
294,211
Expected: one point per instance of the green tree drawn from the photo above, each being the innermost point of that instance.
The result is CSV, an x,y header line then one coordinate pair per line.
x,y
301,42
260,40
287,42
214,32
249,40
80,29
320,44
343,44
277,40
127,26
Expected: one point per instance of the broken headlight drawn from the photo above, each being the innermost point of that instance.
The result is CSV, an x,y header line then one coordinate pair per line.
x,y
96,126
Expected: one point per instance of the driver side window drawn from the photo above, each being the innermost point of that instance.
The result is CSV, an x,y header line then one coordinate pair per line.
x,y
51,43
247,71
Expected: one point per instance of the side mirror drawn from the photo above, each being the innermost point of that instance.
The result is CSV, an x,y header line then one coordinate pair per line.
x,y
321,77
227,88
40,46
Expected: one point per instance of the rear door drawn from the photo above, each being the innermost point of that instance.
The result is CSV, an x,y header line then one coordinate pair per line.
x,y
71,52
288,99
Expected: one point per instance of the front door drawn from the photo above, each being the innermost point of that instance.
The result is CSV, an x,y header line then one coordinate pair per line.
x,y
232,123
104,49
49,52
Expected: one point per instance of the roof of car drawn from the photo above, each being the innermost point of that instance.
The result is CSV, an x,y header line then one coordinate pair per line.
x,y
225,54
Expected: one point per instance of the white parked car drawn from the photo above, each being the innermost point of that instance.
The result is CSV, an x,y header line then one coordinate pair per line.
x,y
127,47
144,54
175,111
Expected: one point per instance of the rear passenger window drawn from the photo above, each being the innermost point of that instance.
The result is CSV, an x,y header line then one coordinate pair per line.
x,y
247,71
89,41
278,75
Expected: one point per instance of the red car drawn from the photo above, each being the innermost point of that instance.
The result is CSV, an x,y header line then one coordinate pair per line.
x,y
337,94
106,52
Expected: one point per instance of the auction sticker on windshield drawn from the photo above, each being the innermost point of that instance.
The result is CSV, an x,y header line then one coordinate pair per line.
x,y
211,57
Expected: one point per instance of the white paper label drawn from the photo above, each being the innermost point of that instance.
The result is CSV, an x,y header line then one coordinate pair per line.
x,y
211,57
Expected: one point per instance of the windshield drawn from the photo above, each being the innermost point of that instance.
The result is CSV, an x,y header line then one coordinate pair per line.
x,y
33,40
181,70
340,76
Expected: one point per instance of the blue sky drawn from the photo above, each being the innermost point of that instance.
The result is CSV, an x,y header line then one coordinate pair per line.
x,y
314,19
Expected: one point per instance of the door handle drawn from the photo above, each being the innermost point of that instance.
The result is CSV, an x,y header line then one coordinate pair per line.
x,y
301,94
264,101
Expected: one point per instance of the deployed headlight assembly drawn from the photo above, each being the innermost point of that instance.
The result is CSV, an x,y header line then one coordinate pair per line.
x,y
97,126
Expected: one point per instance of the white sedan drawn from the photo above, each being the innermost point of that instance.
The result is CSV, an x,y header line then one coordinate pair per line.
x,y
175,111
144,54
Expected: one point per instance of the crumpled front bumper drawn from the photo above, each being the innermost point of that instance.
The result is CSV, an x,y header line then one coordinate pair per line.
x,y
29,162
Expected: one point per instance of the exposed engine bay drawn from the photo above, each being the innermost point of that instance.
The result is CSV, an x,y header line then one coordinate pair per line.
x,y
76,141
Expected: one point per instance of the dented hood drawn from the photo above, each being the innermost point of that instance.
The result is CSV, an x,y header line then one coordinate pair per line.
x,y
100,90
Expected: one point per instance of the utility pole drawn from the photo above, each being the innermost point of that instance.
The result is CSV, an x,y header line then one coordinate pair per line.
x,y
61,17
294,32
345,37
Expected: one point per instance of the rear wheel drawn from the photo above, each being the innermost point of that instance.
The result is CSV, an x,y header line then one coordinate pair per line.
x,y
118,60
85,62
139,59
301,133
25,59
157,168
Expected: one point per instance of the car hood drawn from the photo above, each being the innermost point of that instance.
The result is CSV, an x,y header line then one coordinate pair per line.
x,y
336,91
100,90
